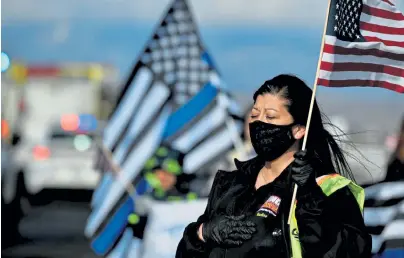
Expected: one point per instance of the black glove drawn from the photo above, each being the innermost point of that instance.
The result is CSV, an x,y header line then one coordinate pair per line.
x,y
228,230
302,170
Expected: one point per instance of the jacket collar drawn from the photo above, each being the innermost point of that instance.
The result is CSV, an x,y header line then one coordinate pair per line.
x,y
247,164
247,172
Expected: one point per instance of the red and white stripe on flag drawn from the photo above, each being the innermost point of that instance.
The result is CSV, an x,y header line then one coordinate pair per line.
x,y
378,61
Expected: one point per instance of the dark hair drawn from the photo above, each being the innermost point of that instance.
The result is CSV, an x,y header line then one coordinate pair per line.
x,y
320,142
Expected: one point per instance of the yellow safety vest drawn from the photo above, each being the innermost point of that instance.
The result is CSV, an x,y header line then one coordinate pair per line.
x,y
329,184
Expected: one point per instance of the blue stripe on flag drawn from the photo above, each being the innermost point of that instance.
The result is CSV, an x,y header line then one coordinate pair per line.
x,y
142,187
105,240
102,190
190,110
119,220
393,253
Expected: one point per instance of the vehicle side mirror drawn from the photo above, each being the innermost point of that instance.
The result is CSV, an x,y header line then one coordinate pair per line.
x,y
15,139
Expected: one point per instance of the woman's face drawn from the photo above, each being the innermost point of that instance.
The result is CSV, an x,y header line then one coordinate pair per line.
x,y
167,180
272,109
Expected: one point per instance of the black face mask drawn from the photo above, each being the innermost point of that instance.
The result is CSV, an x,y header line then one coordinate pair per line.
x,y
271,141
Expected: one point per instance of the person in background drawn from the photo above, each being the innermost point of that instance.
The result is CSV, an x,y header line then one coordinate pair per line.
x,y
384,207
247,210
166,182
164,172
395,170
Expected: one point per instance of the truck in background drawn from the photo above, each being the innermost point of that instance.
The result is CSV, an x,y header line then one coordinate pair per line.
x,y
36,94
53,116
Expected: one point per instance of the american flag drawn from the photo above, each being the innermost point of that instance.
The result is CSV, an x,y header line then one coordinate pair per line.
x,y
173,96
363,45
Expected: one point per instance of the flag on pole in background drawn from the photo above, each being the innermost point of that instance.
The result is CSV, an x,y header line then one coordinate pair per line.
x,y
384,218
173,56
363,45
174,95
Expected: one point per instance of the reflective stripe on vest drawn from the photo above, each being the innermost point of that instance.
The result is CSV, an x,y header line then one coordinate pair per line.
x,y
329,184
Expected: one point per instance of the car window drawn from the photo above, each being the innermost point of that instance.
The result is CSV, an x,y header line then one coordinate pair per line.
x,y
56,135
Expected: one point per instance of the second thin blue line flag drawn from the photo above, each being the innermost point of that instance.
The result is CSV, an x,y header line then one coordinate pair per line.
x,y
174,95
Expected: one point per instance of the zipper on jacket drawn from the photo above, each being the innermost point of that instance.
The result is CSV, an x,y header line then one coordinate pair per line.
x,y
285,229
285,226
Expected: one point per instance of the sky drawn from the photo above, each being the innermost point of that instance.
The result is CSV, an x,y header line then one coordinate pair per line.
x,y
251,41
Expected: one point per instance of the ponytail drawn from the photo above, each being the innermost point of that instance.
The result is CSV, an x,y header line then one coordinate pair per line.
x,y
337,156
328,154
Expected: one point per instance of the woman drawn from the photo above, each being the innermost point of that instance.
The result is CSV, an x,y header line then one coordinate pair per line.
x,y
247,210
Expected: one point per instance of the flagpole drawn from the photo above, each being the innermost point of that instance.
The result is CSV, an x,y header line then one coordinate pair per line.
x,y
313,97
116,170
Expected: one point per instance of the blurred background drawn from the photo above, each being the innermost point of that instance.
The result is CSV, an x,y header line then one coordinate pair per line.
x,y
64,64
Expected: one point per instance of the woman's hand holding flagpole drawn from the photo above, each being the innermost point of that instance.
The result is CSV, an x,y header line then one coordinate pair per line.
x,y
313,97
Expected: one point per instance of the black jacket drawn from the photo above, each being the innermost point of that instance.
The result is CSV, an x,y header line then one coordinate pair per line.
x,y
328,226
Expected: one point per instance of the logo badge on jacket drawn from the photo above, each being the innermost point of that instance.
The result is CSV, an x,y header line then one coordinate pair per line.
x,y
271,206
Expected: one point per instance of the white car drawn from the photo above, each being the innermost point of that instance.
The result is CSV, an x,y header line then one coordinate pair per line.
x,y
63,161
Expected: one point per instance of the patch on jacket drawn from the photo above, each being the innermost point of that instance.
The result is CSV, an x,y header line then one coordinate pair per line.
x,y
295,233
271,206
